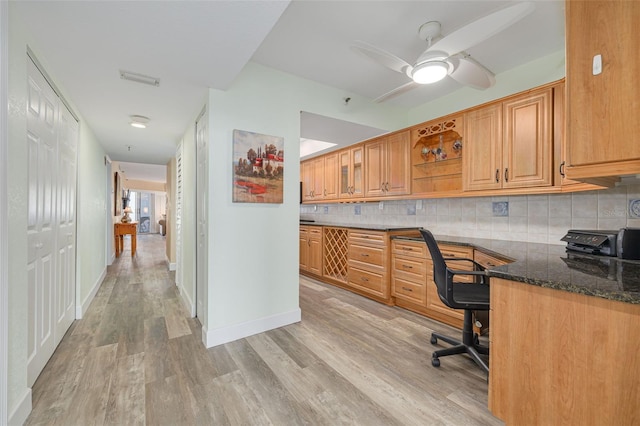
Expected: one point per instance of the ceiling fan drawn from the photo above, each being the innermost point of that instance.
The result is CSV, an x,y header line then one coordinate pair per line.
x,y
445,56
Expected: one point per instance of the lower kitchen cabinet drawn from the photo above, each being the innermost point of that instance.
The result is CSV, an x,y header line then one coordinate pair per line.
x,y
368,272
311,249
412,282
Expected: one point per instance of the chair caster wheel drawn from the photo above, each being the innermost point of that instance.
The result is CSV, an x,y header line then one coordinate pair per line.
x,y
435,362
434,340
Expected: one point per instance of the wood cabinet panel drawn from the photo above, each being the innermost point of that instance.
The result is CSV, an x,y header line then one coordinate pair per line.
x,y
311,249
387,166
562,358
330,177
350,176
527,149
482,162
510,144
602,110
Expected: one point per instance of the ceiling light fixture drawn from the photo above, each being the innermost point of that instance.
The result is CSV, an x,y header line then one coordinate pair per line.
x,y
139,78
139,121
430,72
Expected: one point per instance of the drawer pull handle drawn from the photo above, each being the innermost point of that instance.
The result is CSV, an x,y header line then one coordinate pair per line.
x,y
407,266
407,289
364,279
364,255
407,248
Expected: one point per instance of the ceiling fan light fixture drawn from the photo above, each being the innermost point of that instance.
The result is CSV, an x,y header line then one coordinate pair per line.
x,y
430,72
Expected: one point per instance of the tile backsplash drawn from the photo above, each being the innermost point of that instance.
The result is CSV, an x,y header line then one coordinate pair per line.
x,y
533,218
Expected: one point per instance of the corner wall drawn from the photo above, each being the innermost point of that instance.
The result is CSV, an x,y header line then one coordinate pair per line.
x,y
253,248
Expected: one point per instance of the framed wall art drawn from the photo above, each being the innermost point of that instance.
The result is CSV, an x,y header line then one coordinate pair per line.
x,y
117,190
258,168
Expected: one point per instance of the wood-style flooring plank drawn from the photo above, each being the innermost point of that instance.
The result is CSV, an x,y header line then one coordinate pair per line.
x,y
137,358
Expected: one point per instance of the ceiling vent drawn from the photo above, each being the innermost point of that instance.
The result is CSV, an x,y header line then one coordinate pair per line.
x,y
139,78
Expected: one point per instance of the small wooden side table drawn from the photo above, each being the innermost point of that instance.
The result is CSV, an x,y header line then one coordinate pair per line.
x,y
122,229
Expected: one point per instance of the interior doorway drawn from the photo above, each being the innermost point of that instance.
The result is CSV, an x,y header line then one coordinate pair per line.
x,y
147,208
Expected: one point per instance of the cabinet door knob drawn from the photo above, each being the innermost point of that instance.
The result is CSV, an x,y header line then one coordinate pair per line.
x,y
562,169
497,175
506,174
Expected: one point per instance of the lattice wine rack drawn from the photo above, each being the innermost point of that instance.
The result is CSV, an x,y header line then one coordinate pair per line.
x,y
335,253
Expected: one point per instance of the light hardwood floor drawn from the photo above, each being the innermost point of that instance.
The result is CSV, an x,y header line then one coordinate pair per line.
x,y
137,358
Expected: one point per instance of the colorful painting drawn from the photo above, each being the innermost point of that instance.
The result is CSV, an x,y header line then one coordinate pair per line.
x,y
258,168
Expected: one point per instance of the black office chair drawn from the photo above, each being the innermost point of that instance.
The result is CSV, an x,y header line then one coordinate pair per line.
x,y
459,295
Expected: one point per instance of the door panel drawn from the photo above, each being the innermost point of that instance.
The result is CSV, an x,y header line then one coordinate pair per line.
x,y
42,146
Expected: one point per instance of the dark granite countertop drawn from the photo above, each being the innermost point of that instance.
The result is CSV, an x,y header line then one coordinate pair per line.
x,y
549,265
383,228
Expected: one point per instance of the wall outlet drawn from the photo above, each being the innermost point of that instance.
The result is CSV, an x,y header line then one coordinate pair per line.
x,y
411,210
357,210
326,209
380,205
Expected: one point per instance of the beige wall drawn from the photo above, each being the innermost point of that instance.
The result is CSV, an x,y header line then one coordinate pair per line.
x,y
143,185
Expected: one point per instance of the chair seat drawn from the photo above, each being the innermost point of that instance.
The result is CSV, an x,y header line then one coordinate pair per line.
x,y
471,296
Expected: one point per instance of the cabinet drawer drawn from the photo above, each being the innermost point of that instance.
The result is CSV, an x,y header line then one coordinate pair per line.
x,y
410,268
486,260
372,256
315,232
369,282
410,248
456,251
367,238
411,291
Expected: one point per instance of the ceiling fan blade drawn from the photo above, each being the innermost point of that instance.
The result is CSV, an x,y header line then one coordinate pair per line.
x,y
381,56
481,29
395,92
471,73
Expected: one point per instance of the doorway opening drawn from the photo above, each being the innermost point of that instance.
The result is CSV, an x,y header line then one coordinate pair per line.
x,y
148,209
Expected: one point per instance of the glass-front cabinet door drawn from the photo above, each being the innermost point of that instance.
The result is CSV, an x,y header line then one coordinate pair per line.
x,y
350,162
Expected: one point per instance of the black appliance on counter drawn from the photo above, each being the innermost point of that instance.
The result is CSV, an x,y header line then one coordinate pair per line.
x,y
624,243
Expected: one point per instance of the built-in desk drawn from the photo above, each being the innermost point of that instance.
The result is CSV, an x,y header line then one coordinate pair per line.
x,y
564,337
122,229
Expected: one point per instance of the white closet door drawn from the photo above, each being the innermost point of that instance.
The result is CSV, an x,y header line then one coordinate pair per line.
x,y
42,120
66,207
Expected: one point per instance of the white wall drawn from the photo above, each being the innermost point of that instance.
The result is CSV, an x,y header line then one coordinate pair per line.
x,y
90,215
253,248
188,269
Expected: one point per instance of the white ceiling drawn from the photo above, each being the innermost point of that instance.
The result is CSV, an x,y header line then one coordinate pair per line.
x,y
193,45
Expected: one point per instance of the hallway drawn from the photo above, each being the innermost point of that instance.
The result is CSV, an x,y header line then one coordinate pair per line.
x,y
137,358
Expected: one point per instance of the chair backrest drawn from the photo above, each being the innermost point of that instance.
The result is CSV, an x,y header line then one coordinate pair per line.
x,y
441,276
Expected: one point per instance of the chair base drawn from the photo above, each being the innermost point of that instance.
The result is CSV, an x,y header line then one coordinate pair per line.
x,y
469,344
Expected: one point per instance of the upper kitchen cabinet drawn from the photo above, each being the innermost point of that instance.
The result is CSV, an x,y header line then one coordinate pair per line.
x,y
603,93
350,162
312,173
387,162
319,178
436,156
510,144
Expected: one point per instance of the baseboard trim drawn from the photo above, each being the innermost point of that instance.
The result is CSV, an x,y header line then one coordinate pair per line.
x,y
228,334
22,411
80,310
187,302
171,265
